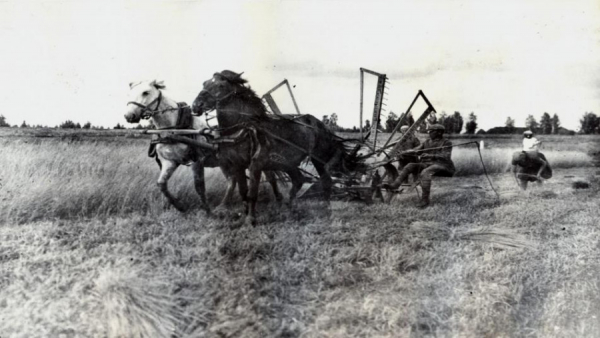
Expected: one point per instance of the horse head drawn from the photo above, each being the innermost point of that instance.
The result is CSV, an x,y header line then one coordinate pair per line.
x,y
144,97
215,90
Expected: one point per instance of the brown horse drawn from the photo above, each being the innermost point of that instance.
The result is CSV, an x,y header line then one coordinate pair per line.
x,y
147,100
272,143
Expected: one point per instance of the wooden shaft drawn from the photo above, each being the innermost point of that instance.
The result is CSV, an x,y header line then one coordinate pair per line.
x,y
292,95
361,104
173,131
191,142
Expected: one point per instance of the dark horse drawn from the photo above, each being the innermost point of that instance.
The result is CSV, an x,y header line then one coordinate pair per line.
x,y
273,143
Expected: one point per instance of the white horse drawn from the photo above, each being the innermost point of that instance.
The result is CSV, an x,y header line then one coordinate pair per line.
x,y
148,101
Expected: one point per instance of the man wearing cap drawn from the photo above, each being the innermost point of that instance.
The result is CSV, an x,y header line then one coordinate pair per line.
x,y
435,160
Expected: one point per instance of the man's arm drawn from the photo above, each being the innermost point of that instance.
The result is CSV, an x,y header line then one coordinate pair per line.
x,y
417,148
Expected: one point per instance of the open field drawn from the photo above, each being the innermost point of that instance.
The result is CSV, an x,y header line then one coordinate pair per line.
x,y
89,249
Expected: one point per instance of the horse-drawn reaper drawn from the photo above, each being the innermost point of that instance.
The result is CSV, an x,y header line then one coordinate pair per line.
x,y
251,140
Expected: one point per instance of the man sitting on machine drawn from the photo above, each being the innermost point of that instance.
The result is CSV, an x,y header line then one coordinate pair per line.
x,y
435,160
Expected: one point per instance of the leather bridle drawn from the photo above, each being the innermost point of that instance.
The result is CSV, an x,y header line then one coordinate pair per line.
x,y
147,112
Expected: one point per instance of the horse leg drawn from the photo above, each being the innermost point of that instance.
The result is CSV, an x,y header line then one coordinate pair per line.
x,y
226,201
240,177
167,171
255,175
297,181
272,179
199,183
326,182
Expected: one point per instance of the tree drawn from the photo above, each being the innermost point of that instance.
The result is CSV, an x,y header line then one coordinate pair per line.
x,y
333,120
24,125
118,126
589,123
510,125
458,123
390,123
452,123
546,124
531,123
448,122
555,124
87,125
3,122
68,124
471,126
442,118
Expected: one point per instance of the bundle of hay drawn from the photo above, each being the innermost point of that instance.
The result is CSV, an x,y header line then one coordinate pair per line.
x,y
503,238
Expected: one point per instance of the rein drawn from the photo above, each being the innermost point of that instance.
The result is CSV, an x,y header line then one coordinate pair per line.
x,y
221,99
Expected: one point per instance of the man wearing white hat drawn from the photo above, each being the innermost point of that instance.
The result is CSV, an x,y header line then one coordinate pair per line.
x,y
530,143
530,165
435,160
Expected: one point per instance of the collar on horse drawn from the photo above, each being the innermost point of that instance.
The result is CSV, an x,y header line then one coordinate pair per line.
x,y
184,112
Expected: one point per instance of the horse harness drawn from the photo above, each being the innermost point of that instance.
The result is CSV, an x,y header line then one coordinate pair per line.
x,y
184,121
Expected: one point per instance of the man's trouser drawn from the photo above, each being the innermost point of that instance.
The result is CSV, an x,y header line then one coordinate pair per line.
x,y
426,170
403,161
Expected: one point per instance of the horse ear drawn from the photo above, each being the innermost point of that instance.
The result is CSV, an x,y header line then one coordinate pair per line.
x,y
158,84
133,84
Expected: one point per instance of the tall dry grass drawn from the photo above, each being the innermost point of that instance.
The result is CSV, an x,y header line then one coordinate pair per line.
x,y
45,179
467,161
468,266
105,258
56,178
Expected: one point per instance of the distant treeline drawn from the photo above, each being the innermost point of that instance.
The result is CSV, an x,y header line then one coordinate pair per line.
x,y
68,124
453,123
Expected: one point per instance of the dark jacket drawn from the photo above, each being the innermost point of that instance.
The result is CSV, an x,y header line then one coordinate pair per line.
x,y
437,156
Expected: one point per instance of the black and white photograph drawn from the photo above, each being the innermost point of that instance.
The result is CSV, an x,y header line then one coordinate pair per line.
x,y
309,169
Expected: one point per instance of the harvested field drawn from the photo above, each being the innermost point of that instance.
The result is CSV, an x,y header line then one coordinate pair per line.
x,y
89,249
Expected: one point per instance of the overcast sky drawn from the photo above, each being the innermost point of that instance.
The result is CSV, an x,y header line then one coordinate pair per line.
x,y
74,59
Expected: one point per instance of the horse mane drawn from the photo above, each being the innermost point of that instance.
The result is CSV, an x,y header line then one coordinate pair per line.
x,y
251,98
245,92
